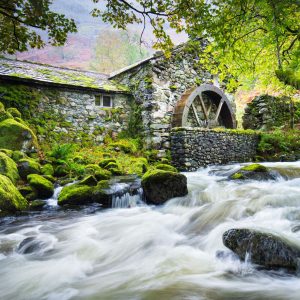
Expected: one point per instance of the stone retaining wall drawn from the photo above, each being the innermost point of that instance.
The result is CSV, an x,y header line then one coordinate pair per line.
x,y
192,148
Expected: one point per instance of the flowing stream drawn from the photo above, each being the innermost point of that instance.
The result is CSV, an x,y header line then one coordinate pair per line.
x,y
135,251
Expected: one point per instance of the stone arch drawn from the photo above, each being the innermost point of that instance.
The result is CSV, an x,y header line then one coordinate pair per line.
x,y
213,109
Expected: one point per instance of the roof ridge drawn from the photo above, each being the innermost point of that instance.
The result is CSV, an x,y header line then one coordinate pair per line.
x,y
51,66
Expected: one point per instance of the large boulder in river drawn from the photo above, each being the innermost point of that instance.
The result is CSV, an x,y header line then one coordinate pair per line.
x,y
254,172
16,135
10,198
159,186
264,249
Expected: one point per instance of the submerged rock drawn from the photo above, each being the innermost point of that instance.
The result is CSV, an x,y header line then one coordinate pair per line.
x,y
159,186
254,172
10,198
264,249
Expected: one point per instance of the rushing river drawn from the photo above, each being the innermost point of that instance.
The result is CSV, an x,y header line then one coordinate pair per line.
x,y
143,252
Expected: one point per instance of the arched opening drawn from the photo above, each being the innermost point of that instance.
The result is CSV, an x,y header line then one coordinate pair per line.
x,y
205,106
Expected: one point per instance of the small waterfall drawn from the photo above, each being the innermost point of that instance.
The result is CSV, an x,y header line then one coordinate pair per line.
x,y
127,200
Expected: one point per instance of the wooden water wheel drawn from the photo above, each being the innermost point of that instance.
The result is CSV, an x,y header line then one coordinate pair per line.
x,y
205,106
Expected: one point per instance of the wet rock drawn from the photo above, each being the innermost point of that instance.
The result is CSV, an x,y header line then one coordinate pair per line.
x,y
29,245
254,172
264,249
8,167
37,204
159,186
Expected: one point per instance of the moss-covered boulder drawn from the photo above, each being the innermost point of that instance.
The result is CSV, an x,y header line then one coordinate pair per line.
x,y
8,167
10,198
75,194
106,161
166,167
80,193
98,172
62,170
160,186
16,136
114,168
8,152
4,115
89,180
47,169
27,166
28,192
44,187
101,194
254,172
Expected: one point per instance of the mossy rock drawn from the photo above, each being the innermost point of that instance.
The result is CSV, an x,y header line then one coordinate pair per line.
x,y
114,168
89,180
50,178
28,193
18,155
8,168
37,205
44,187
47,169
159,186
254,172
10,198
14,112
2,107
99,173
8,152
16,136
75,194
255,168
124,146
101,195
27,166
61,171
166,167
106,161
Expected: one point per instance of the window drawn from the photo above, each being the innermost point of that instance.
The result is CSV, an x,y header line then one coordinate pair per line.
x,y
103,101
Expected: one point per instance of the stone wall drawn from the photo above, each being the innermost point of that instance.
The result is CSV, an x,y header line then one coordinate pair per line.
x,y
69,114
192,148
158,84
266,112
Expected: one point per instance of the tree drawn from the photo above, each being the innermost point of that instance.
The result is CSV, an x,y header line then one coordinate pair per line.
x,y
117,49
22,23
247,37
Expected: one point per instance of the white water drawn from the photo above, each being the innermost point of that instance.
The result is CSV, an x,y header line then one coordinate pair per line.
x,y
144,252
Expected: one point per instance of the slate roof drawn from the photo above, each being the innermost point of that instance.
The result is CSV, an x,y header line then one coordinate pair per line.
x,y
49,75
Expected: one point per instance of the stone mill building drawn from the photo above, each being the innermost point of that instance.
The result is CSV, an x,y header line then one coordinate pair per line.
x,y
168,92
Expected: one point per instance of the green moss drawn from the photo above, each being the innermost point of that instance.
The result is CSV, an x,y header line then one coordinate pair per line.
x,y
14,112
27,166
166,167
8,152
173,87
106,161
18,155
75,194
10,198
156,175
47,169
4,115
8,167
97,171
89,180
237,176
254,168
124,145
44,187
16,136
37,204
